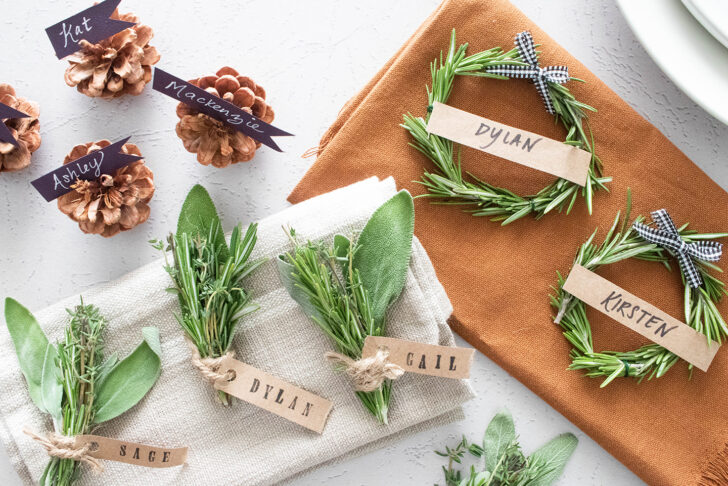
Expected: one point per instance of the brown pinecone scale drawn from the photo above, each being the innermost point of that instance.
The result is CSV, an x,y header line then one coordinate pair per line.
x,y
109,204
25,130
213,141
118,65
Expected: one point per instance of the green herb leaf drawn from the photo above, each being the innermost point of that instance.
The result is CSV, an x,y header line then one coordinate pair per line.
x,y
383,252
131,379
37,358
548,462
499,436
285,270
198,215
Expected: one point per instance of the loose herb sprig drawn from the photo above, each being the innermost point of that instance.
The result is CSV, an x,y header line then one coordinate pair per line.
x,y
73,382
449,185
341,304
208,276
621,243
505,464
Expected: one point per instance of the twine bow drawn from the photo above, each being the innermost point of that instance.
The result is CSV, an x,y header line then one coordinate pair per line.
x,y
64,447
368,374
667,236
210,367
540,76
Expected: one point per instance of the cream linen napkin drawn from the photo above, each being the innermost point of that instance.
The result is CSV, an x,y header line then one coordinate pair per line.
x,y
243,444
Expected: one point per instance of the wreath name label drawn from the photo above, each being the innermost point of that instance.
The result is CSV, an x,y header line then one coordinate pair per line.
x,y
511,143
641,316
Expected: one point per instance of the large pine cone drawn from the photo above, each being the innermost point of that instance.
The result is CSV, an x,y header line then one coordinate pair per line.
x,y
109,204
213,141
25,130
118,65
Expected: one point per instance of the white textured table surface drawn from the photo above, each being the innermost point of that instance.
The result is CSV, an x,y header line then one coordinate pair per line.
x,y
311,57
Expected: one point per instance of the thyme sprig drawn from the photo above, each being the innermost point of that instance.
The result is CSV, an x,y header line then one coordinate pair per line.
x,y
621,243
448,185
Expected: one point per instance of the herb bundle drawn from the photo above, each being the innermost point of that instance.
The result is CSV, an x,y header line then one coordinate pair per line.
x,y
652,360
346,289
505,463
208,275
449,185
73,382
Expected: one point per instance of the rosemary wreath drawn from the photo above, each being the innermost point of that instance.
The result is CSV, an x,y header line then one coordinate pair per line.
x,y
652,360
450,185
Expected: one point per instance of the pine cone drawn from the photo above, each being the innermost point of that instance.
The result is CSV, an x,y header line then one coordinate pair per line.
x,y
25,130
109,204
118,65
213,141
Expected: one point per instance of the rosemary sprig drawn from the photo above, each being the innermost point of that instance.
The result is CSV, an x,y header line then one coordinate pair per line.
x,y
449,185
207,279
340,305
80,355
621,243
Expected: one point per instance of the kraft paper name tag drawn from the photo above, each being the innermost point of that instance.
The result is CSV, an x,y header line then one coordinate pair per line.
x,y
92,24
275,395
426,359
514,144
89,167
641,316
131,452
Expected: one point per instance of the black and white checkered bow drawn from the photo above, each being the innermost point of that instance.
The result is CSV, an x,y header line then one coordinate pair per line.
x,y
667,236
539,75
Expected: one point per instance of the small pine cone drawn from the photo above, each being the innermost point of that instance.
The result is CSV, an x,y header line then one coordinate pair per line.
x,y
118,65
213,141
25,130
108,205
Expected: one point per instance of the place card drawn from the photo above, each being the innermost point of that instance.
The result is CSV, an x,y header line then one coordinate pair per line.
x,y
131,452
510,143
6,112
274,395
217,108
89,167
425,359
92,25
640,316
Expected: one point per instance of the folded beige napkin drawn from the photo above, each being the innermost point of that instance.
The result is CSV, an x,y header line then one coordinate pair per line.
x,y
244,444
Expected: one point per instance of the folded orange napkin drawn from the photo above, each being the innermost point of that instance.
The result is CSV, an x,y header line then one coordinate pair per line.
x,y
671,430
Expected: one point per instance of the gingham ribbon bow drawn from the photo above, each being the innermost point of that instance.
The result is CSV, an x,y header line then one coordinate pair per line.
x,y
539,75
667,236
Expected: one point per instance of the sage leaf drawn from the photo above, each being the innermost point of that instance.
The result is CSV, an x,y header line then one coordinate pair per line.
x,y
50,384
37,357
285,271
131,379
499,436
198,216
547,463
383,252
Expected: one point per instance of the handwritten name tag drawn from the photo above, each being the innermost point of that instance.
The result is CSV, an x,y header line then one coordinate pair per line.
x,y
89,167
425,359
131,452
641,317
275,395
217,108
514,144
92,24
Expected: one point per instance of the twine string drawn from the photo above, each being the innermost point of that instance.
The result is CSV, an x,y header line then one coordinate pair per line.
x,y
65,447
368,374
209,368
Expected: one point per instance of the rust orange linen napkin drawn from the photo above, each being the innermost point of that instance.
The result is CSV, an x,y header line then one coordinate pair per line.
x,y
670,431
